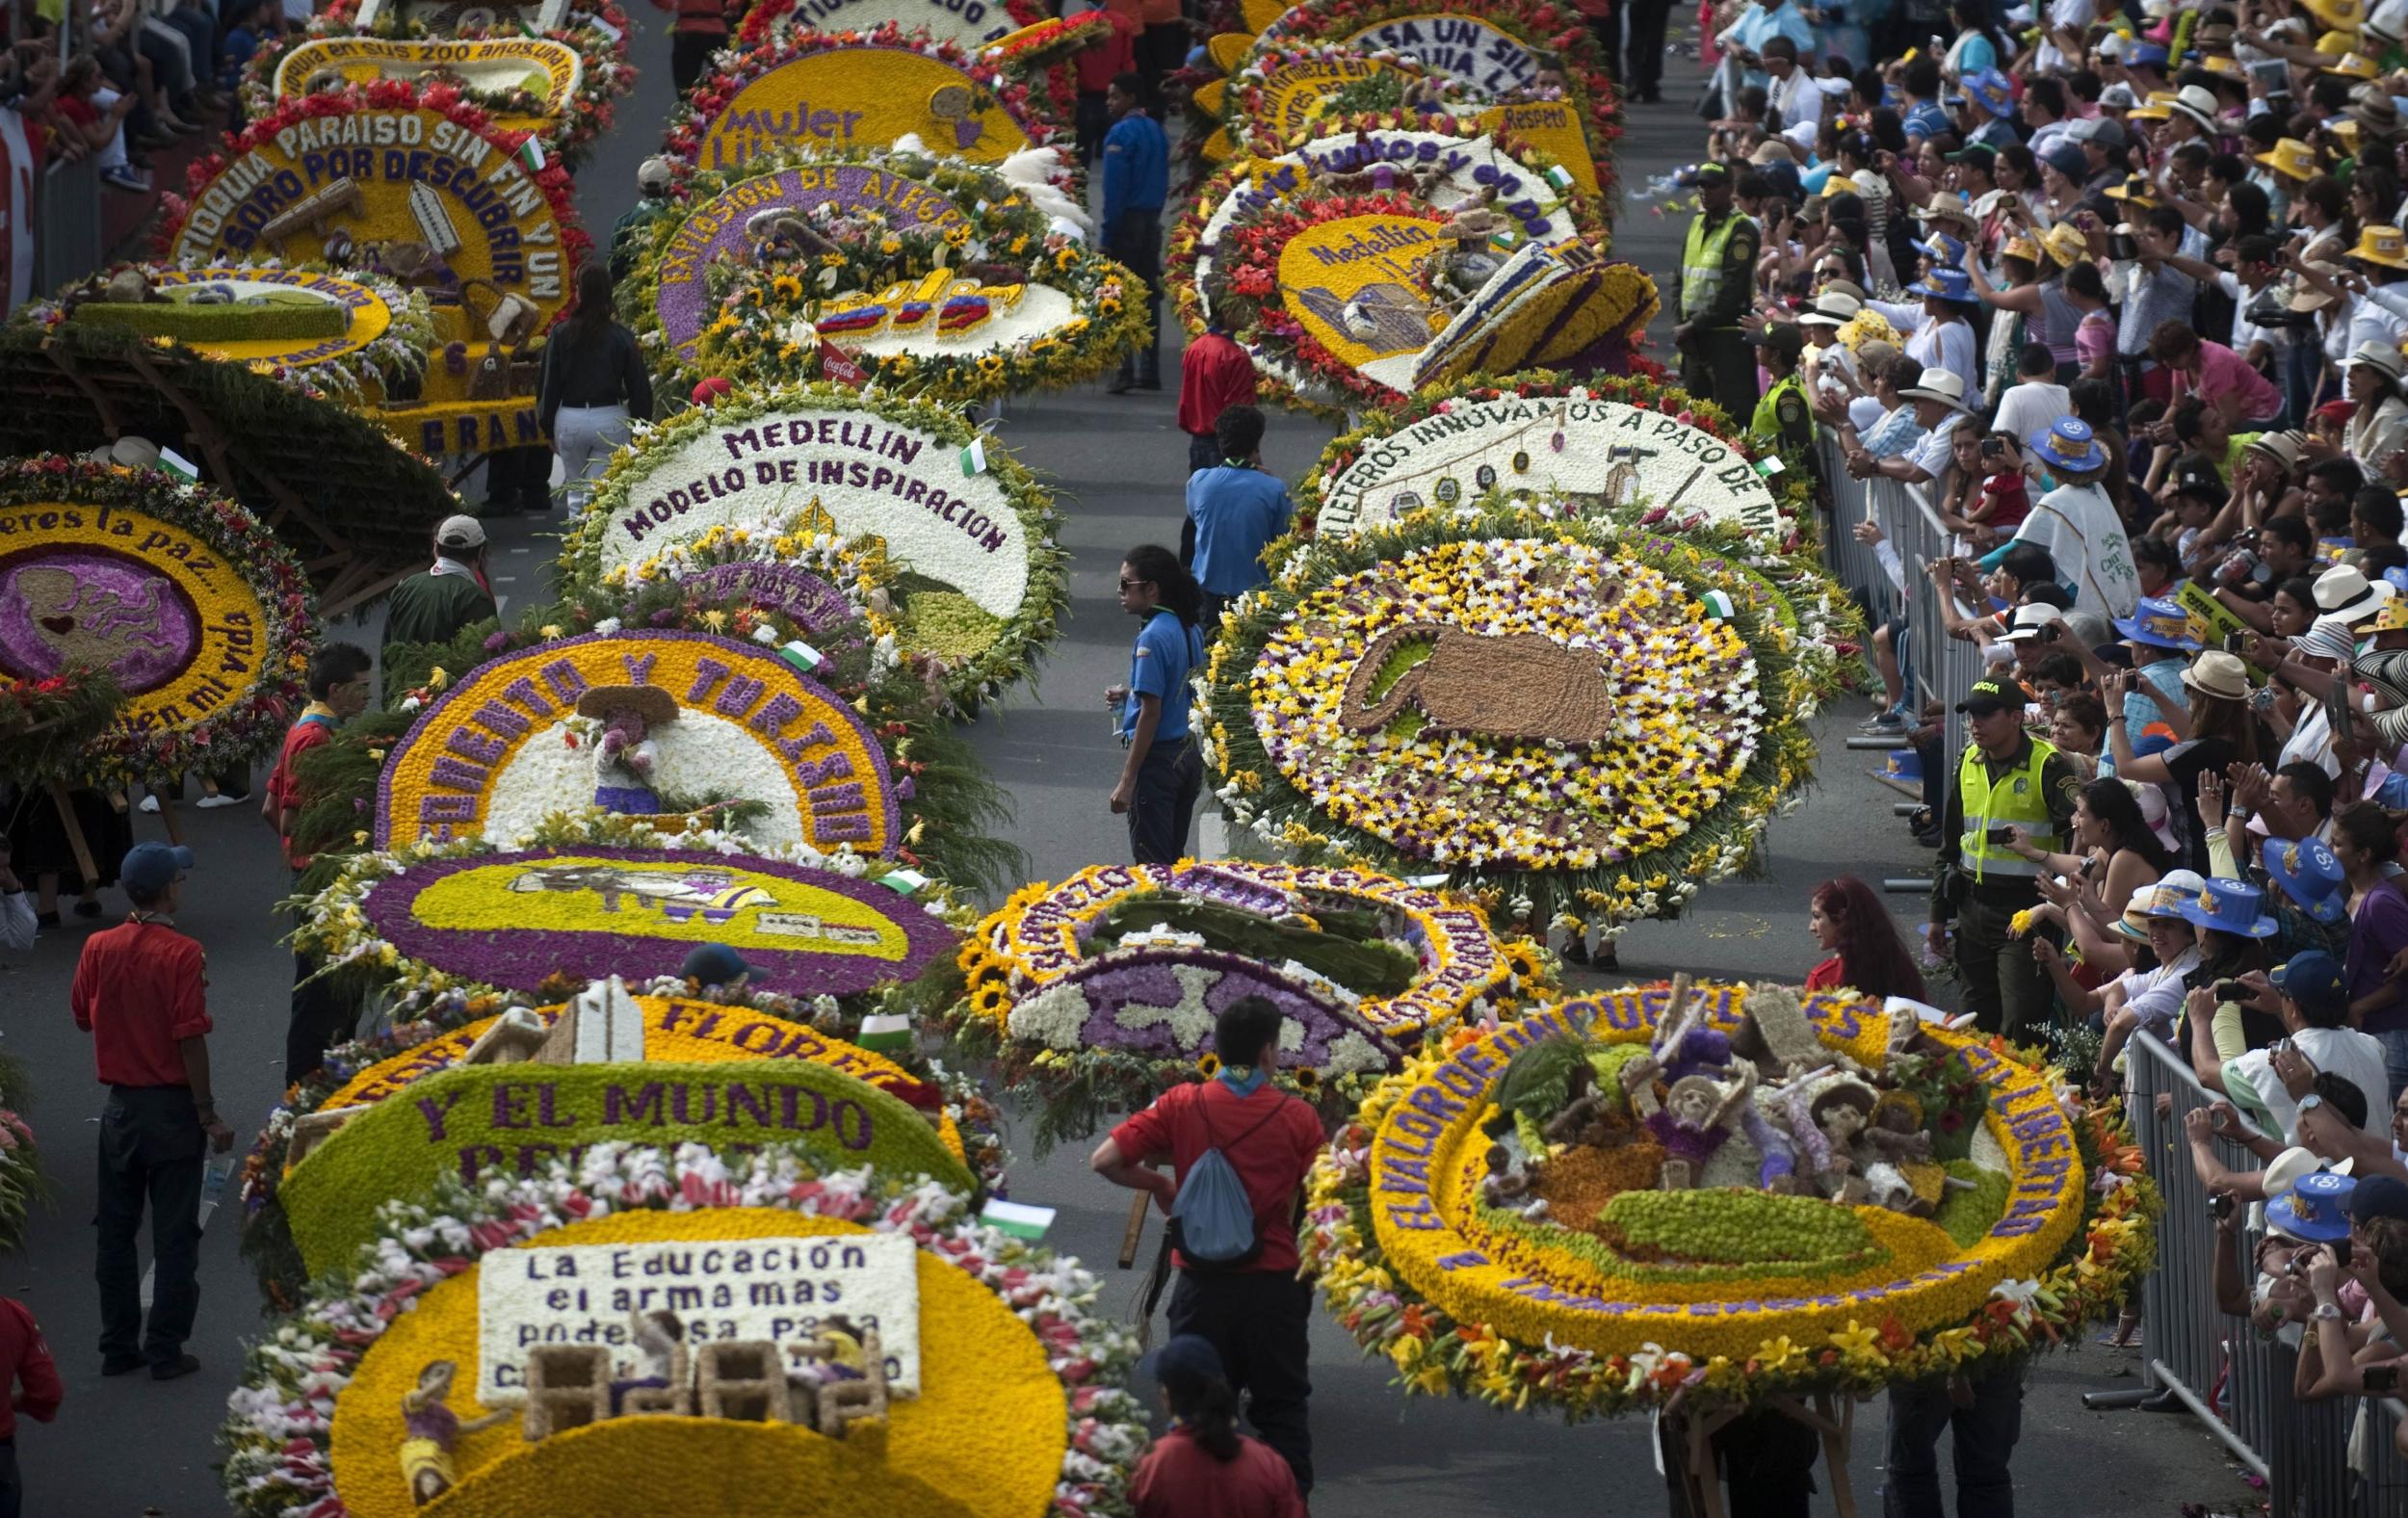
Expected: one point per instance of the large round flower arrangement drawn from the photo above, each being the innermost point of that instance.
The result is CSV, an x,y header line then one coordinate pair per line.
x,y
1459,162
1592,712
596,894
1511,1217
1689,465
862,219
1465,48
979,616
392,327
199,616
1100,991
429,1031
1031,109
1021,1408
521,737
1050,312
596,29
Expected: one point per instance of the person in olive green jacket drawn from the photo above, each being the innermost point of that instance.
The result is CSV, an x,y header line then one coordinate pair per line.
x,y
433,606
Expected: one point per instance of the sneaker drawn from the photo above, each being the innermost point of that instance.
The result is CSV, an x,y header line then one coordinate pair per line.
x,y
150,803
219,798
126,179
1889,721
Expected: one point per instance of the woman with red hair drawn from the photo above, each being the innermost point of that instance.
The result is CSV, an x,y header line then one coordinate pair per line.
x,y
1867,953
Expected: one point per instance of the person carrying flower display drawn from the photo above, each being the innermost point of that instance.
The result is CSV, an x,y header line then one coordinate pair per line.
x,y
433,605
338,691
1255,1312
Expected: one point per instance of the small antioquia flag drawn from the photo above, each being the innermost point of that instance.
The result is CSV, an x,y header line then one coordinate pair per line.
x,y
1016,1219
885,1031
178,465
974,456
531,153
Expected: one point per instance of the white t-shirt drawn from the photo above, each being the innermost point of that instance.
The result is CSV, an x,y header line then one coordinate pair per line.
x,y
2076,14
1935,452
2357,1057
2156,996
2031,407
1949,345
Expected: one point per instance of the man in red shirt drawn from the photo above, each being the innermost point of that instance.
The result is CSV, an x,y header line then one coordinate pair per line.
x,y
23,1358
1098,67
699,31
338,691
140,990
1215,373
1254,1313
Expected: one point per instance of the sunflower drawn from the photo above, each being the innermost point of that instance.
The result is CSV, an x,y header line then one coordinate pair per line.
x,y
991,1001
1307,1079
1522,960
1210,1065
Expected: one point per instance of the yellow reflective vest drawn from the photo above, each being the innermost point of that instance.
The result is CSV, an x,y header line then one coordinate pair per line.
x,y
2014,799
1701,264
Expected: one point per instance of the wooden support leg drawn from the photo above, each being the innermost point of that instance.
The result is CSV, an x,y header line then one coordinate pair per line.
x,y
75,839
1839,1433
167,815
1135,1233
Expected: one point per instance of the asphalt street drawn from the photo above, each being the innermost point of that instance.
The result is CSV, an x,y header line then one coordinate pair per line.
x,y
128,1447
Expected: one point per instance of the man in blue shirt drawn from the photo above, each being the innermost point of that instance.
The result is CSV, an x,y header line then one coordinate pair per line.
x,y
1237,508
1137,178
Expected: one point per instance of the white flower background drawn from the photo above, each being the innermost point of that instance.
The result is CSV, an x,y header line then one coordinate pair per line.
x,y
700,753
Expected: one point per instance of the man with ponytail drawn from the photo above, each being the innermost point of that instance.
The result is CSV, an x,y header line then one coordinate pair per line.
x,y
1203,1467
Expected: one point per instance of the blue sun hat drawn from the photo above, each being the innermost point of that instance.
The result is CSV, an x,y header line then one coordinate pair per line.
x,y
1990,90
2070,445
1947,283
1943,250
2228,906
2316,1207
2159,623
2308,872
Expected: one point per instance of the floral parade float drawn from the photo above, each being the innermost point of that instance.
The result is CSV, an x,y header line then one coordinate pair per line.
x,y
1533,63
968,529
970,25
594,893
857,1334
1587,718
869,88
735,1029
1722,1197
412,185
1352,296
198,619
837,223
1098,993
554,72
1585,445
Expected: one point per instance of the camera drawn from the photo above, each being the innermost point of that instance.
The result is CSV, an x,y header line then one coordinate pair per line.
x,y
2230,991
1998,835
2237,644
2221,1204
2122,247
1992,448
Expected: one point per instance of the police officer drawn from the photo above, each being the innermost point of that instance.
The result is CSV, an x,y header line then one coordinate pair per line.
x,y
1715,284
1781,420
2009,783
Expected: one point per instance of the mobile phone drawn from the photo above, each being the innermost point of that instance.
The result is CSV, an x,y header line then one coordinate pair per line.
x,y
2382,1377
1992,448
2122,247
2236,643
1998,835
2230,990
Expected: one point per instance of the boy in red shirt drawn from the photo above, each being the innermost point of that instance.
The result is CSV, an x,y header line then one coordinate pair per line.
x,y
23,1358
1254,1313
338,691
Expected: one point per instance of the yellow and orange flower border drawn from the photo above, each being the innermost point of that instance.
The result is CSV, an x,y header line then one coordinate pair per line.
x,y
267,585
1795,647
278,1431
1401,1275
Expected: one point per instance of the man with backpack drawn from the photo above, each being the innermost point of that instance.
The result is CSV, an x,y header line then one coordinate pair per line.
x,y
1238,1148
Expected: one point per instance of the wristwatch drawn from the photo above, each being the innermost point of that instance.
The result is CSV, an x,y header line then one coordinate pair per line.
x,y
2328,1313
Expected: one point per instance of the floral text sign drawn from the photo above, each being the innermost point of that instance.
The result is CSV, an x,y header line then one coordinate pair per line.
x,y
783,1289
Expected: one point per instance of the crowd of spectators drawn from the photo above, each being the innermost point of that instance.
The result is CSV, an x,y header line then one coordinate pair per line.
x,y
2121,300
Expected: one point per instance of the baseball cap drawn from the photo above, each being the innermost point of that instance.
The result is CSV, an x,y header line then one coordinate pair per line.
x,y
1996,694
150,868
2117,98
653,174
2314,980
459,532
715,964
1706,173
2378,1196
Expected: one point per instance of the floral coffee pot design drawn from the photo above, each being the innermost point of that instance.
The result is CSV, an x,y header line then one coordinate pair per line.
x,y
1515,688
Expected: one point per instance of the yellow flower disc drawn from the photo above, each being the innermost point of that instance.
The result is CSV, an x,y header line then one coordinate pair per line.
x,y
986,1431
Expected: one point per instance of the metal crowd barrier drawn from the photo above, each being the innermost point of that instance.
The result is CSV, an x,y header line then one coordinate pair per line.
x,y
2387,1471
67,225
2199,1359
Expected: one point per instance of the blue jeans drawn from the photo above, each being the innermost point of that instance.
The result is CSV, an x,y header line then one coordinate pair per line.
x,y
2395,1042
1984,1433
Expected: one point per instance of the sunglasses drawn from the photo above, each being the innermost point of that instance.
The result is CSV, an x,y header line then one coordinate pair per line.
x,y
1131,584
